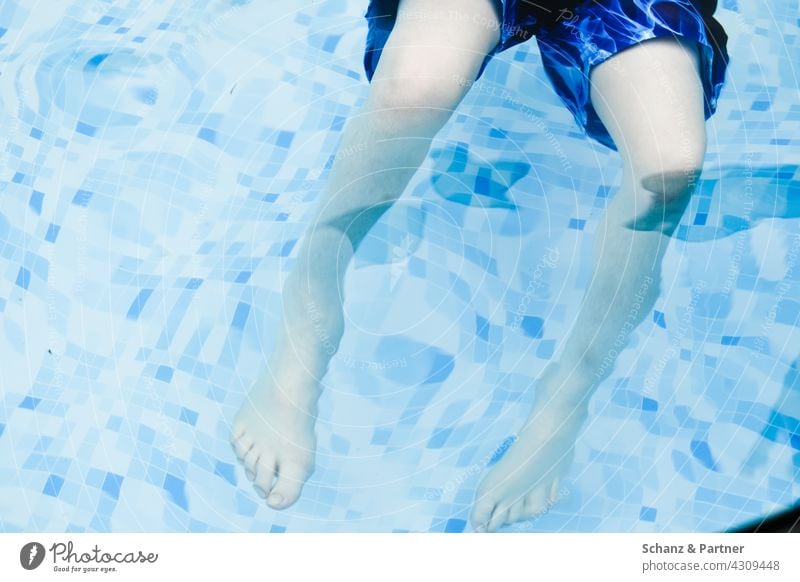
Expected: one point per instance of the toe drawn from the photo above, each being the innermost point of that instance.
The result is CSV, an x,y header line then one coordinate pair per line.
x,y
554,493
517,511
535,502
265,474
237,430
242,446
499,518
291,477
249,462
482,513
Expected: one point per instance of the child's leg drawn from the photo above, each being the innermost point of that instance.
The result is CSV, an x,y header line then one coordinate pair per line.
x,y
651,100
424,71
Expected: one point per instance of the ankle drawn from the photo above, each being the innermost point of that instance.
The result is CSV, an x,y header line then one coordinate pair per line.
x,y
312,336
287,389
567,387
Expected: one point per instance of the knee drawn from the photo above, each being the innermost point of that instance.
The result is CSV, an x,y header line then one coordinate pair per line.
x,y
672,172
672,185
408,103
666,187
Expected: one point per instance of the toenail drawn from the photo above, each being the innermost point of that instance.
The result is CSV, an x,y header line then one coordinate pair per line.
x,y
275,499
250,474
260,491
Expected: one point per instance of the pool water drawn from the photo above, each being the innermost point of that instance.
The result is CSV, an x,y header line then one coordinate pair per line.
x,y
159,162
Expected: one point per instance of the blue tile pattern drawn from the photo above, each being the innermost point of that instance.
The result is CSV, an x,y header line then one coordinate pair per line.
x,y
158,168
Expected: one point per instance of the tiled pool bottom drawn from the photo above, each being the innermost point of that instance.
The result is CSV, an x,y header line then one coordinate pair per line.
x,y
159,165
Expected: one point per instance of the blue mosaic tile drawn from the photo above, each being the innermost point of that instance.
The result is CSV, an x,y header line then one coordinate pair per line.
x,y
138,304
648,513
30,402
175,487
53,485
188,416
533,326
112,484
226,471
164,373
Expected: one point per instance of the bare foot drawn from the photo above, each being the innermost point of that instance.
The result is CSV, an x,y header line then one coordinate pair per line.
x,y
273,432
525,482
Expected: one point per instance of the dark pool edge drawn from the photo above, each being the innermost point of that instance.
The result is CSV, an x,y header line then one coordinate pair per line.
x,y
786,521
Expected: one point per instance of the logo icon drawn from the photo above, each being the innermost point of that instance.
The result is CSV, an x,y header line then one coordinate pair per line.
x,y
31,555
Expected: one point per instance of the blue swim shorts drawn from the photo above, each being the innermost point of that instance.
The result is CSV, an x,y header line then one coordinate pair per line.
x,y
575,35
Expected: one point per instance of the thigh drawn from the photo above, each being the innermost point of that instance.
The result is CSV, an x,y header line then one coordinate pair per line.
x,y
443,42
650,98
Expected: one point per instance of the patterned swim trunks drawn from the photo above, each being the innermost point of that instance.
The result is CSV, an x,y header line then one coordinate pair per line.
x,y
579,34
